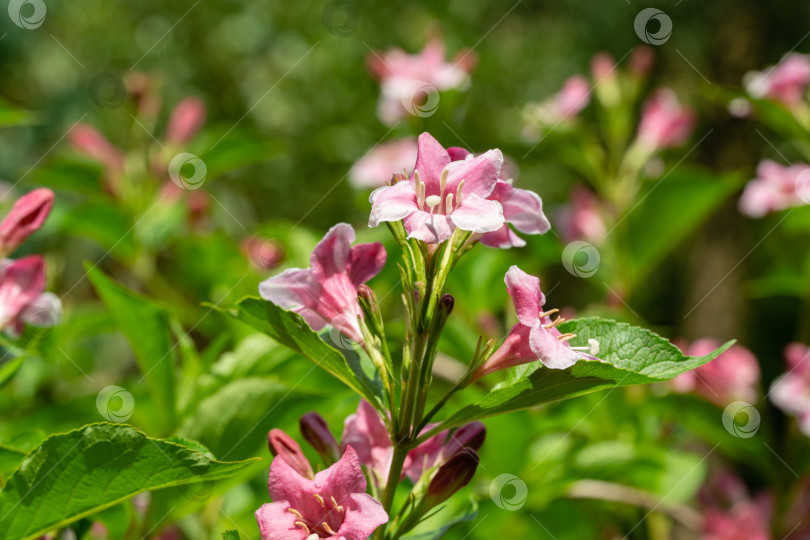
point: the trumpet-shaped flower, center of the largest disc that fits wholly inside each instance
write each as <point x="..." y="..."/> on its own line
<point x="326" y="292"/>
<point x="332" y="505"/>
<point x="379" y="165"/>
<point x="27" y="215"/>
<point x="791" y="391"/>
<point x="442" y="194"/>
<point x="786" y="82"/>
<point x="732" y="376"/>
<point x="535" y="336"/>
<point x="665" y="123"/>
<point x="775" y="188"/>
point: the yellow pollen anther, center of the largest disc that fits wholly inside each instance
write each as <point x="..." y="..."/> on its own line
<point x="302" y="525"/>
<point x="554" y="323"/>
<point x="296" y="512"/>
<point x="320" y="500"/>
<point x="328" y="529"/>
<point x="336" y="505"/>
<point x="566" y="337"/>
<point x="547" y="313"/>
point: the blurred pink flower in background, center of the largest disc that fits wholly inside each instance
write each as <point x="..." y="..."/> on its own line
<point x="791" y="390"/>
<point x="402" y="76"/>
<point x="732" y="376"/>
<point x="775" y="188"/>
<point x="665" y="123"/>
<point x="376" y="168"/>
<point x="574" y="96"/>
<point x="263" y="253"/>
<point x="602" y="66"/>
<point x="89" y="142"/>
<point x="21" y="282"/>
<point x="786" y="82"/>
<point x="582" y="219"/>
<point x="729" y="511"/>
<point x="641" y="61"/>
<point x="185" y="121"/>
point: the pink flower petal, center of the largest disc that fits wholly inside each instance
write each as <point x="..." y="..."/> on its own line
<point x="432" y="229"/>
<point x="185" y="121"/>
<point x="552" y="352"/>
<point x="478" y="215"/>
<point x="479" y="174"/>
<point x="503" y="238"/>
<point x="363" y="515"/>
<point x="276" y="522"/>
<point x="392" y="203"/>
<point x="526" y="295"/>
<point x="365" y="262"/>
<point x="431" y="160"/>
<point x="21" y="282"/>
<point x="27" y="215"/>
<point x="293" y="288"/>
<point x="331" y="254"/>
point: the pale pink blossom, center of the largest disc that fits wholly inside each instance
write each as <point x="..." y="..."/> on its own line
<point x="333" y="504"/>
<point x="786" y="82"/>
<point x="378" y="166"/>
<point x="732" y="376"/>
<point x="26" y="216"/>
<point x="573" y="97"/>
<point x="89" y="142"/>
<point x="535" y="336"/>
<point x="775" y="188"/>
<point x="791" y="390"/>
<point x="582" y="219"/>
<point x="21" y="282"/>
<point x="326" y="292"/>
<point x="602" y="66"/>
<point x="185" y="121"/>
<point x="442" y="194"/>
<point x="665" y="123"/>
<point x="401" y="74"/>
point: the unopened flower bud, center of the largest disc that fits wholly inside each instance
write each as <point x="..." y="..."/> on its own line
<point x="446" y="304"/>
<point x="26" y="216"/>
<point x="185" y="121"/>
<point x="316" y="432"/>
<point x="368" y="303"/>
<point x="451" y="477"/>
<point x="283" y="446"/>
<point x="469" y="436"/>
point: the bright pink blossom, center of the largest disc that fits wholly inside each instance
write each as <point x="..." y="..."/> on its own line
<point x="442" y="194"/>
<point x="326" y="292"/>
<point x="523" y="209"/>
<point x="185" y="121"/>
<point x="582" y="219"/>
<point x="403" y="75"/>
<point x="535" y="336"/>
<point x="732" y="376"/>
<point x="785" y="82"/>
<point x="21" y="282"/>
<point x="791" y="390"/>
<point x="775" y="188"/>
<point x="665" y="123"/>
<point x="378" y="166"/>
<point x="27" y="215"/>
<point x="332" y="505"/>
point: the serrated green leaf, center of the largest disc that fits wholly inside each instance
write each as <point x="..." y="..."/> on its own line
<point x="630" y="355"/>
<point x="146" y="327"/>
<point x="76" y="474"/>
<point x="291" y="329"/>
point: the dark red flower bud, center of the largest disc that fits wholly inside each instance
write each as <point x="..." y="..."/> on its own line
<point x="316" y="432"/>
<point x="446" y="304"/>
<point x="451" y="477"/>
<point x="283" y="446"/>
<point x="470" y="436"/>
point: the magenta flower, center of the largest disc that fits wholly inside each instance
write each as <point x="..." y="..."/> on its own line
<point x="442" y="194"/>
<point x="665" y="123"/>
<point x="791" y="391"/>
<point x="27" y="215"/>
<point x="21" y="283"/>
<point x="732" y="376"/>
<point x="786" y="82"/>
<point x="775" y="188"/>
<point x="326" y="292"/>
<point x="332" y="505"/>
<point x="522" y="209"/>
<point x="582" y="219"/>
<point x="185" y="121"/>
<point x="404" y="76"/>
<point x="379" y="165"/>
<point x="535" y="336"/>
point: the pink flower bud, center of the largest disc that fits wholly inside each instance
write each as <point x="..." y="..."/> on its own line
<point x="641" y="61"/>
<point x="21" y="282"/>
<point x="451" y="477"/>
<point x="185" y="121"/>
<point x="264" y="253"/>
<point x="573" y="97"/>
<point x="27" y="215"/>
<point x="282" y="445"/>
<point x="87" y="141"/>
<point x="665" y="123"/>
<point x="316" y="432"/>
<point x="602" y="65"/>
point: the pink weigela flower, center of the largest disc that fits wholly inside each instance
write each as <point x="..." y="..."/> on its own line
<point x="786" y="82"/>
<point x="378" y="166"/>
<point x="665" y="123"/>
<point x="775" y="188"/>
<point x="791" y="391"/>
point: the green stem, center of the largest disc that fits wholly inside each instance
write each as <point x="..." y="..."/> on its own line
<point x="400" y="453"/>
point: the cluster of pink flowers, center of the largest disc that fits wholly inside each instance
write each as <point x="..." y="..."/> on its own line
<point x="23" y="299"/>
<point x="775" y="188"/>
<point x="732" y="376"/>
<point x="786" y="82"/>
<point x="333" y="503"/>
<point x="406" y="78"/>
<point x="730" y="513"/>
<point x="665" y="123"/>
<point x="791" y="391"/>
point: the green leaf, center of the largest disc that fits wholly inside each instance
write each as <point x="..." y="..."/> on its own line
<point x="10" y="115"/>
<point x="8" y="368"/>
<point x="234" y="421"/>
<point x="146" y="326"/>
<point x="230" y="535"/>
<point x="290" y="329"/>
<point x="631" y="355"/>
<point x="76" y="474"/>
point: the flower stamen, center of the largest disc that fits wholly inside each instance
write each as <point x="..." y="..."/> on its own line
<point x="296" y="512"/>
<point x="566" y="337"/>
<point x="592" y="347"/>
<point x="549" y="312"/>
<point x="328" y="529"/>
<point x="448" y="203"/>
<point x="433" y="201"/>
<point x="337" y="507"/>
<point x="320" y="500"/>
<point x="302" y="525"/>
<point x="459" y="194"/>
